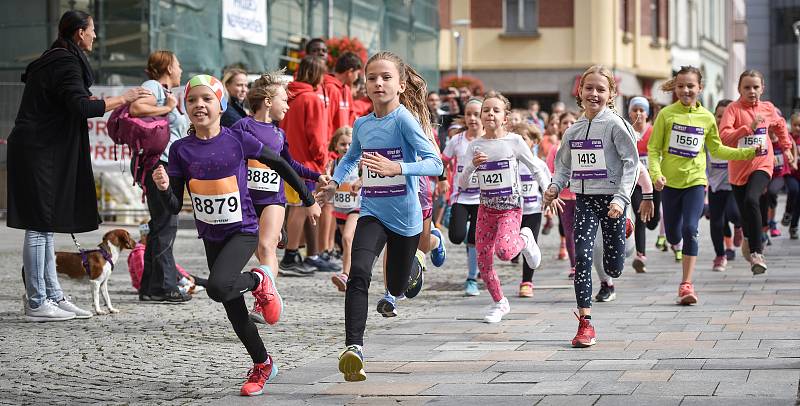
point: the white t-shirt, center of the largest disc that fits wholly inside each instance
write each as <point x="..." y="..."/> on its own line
<point x="456" y="150"/>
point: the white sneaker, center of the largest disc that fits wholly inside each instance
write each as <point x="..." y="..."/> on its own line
<point x="48" y="311"/>
<point x="531" y="252"/>
<point x="497" y="311"/>
<point x="68" y="306"/>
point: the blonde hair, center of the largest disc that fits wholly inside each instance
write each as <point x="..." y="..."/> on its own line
<point x="493" y="94"/>
<point x="669" y="86"/>
<point x="604" y="72"/>
<point x="415" y="95"/>
<point x="230" y="74"/>
<point x="265" y="88"/>
<point x="528" y="130"/>
<point x="339" y="133"/>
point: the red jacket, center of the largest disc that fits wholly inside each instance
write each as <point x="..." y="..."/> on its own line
<point x="361" y="107"/>
<point x="306" y="126"/>
<point x="340" y="102"/>
<point x="735" y="124"/>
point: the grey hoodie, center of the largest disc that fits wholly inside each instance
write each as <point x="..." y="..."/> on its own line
<point x="619" y="173"/>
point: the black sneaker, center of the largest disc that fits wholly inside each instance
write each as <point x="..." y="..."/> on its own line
<point x="171" y="297"/>
<point x="292" y="265"/>
<point x="321" y="265"/>
<point x="793" y="233"/>
<point x="606" y="293"/>
<point x="417" y="276"/>
<point x="787" y="219"/>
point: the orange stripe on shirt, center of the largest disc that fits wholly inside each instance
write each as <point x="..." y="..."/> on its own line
<point x="212" y="187"/>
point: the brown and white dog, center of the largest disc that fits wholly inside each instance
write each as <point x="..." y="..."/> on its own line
<point x="97" y="264"/>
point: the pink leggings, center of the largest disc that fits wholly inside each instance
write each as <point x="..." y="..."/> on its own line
<point x="497" y="233"/>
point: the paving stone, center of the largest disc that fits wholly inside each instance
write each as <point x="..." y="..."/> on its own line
<point x="617" y="400"/>
<point x="546" y="366"/>
<point x="618" y="365"/>
<point x="596" y="376"/>
<point x="490" y="389"/>
<point x="568" y="400"/>
<point x="676" y="388"/>
<point x="752" y="363"/>
<point x="646" y="376"/>
<point x="609" y="388"/>
<point x="759" y="389"/>
<point x="472" y="366"/>
<point x="730" y="375"/>
<point x="369" y="388"/>
<point x="738" y="401"/>
<point x="556" y="388"/>
<point x="774" y="375"/>
<point x="532" y="377"/>
<point x="479" y="400"/>
<point x="479" y="346"/>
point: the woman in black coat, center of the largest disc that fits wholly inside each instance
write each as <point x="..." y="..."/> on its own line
<point x="50" y="181"/>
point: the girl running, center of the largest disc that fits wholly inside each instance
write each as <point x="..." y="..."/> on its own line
<point x="566" y="220"/>
<point x="639" y="114"/>
<point x="793" y="204"/>
<point x="346" y="204"/>
<point x="721" y="205"/>
<point x="495" y="160"/>
<point x="388" y="142"/>
<point x="531" y="199"/>
<point x="268" y="99"/>
<point x="598" y="158"/>
<point x="781" y="172"/>
<point x="746" y="123"/>
<point x="210" y="162"/>
<point x="464" y="201"/>
<point x="678" y="169"/>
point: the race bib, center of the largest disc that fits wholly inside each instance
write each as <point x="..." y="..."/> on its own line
<point x="588" y="159"/>
<point x="717" y="163"/>
<point x="260" y="177"/>
<point x="530" y="189"/>
<point x="216" y="201"/>
<point x="779" y="160"/>
<point x="473" y="186"/>
<point x="685" y="140"/>
<point x="384" y="186"/>
<point x="496" y="178"/>
<point x="643" y="159"/>
<point x="759" y="137"/>
<point x="343" y="199"/>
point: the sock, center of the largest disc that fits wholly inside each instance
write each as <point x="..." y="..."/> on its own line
<point x="587" y="317"/>
<point x="472" y="262"/>
<point x="259" y="279"/>
<point x="312" y="256"/>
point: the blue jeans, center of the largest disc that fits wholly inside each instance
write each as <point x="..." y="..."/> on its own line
<point x="39" y="261"/>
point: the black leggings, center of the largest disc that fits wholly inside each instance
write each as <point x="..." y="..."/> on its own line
<point x="227" y="283"/>
<point x="748" y="198"/>
<point x="532" y="221"/>
<point x="370" y="237"/>
<point x="159" y="275"/>
<point x="640" y="230"/>
<point x="460" y="214"/>
<point x="722" y="209"/>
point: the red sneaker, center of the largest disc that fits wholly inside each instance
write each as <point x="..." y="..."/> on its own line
<point x="628" y="228"/>
<point x="259" y="375"/>
<point x="562" y="251"/>
<point x="267" y="297"/>
<point x="686" y="295"/>
<point x="586" y="335"/>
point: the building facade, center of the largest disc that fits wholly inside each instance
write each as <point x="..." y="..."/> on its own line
<point x="531" y="49"/>
<point x="772" y="49"/>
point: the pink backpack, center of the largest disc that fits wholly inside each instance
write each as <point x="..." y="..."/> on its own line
<point x="147" y="137"/>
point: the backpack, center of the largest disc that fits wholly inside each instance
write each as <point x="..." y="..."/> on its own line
<point x="147" y="137"/>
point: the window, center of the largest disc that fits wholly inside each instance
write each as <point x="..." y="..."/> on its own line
<point x="655" y="21"/>
<point x="521" y="16"/>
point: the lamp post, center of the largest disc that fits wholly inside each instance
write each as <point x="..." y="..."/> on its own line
<point x="459" y="38"/>
<point x="796" y="28"/>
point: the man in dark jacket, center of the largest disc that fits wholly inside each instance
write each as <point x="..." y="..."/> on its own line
<point x="50" y="180"/>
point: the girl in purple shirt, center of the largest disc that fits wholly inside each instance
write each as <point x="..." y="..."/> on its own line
<point x="269" y="101"/>
<point x="210" y="163"/>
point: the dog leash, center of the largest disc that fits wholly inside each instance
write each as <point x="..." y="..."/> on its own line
<point x="75" y="240"/>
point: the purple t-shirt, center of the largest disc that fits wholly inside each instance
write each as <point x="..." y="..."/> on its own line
<point x="265" y="186"/>
<point x="215" y="173"/>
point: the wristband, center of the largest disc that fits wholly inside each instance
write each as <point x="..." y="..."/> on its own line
<point x="647" y="196"/>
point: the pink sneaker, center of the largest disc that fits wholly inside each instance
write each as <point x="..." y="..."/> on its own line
<point x="340" y="281"/>
<point x="586" y="336"/>
<point x="258" y="376"/>
<point x="774" y="232"/>
<point x="686" y="295"/>
<point x="738" y="237"/>
<point x="268" y="300"/>
<point x="720" y="264"/>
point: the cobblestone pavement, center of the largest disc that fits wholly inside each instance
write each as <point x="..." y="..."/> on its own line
<point x="740" y="345"/>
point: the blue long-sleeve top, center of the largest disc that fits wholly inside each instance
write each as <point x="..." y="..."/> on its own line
<point x="400" y="212"/>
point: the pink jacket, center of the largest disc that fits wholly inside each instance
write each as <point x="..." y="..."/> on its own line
<point x="136" y="266"/>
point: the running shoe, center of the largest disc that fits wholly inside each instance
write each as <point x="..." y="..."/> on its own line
<point x="292" y="265"/>
<point x="471" y="288"/>
<point x="417" y="276"/>
<point x="793" y="233"/>
<point x="787" y="219"/>
<point x="563" y="255"/>
<point x="571" y="273"/>
<point x="284" y="239"/>
<point x="387" y="306"/>
<point x="526" y="289"/>
<point x="340" y="281"/>
<point x="678" y="254"/>
<point x="730" y="254"/>
<point x="757" y="263"/>
<point x="606" y="293"/>
<point x="270" y="303"/>
<point x="258" y="376"/>
<point x="548" y="225"/>
<point x="774" y="232"/>
<point x="686" y="295"/>
<point x="628" y="227"/>
<point x="531" y="251"/>
<point x="738" y="237"/>
<point x="328" y="257"/>
<point x="321" y="264"/>
<point x="586" y="336"/>
<point x="720" y="264"/>
<point x="256" y="314"/>
<point x="351" y="364"/>
<point x="496" y="311"/>
<point x="661" y="243"/>
<point x="438" y="254"/>
<point x="640" y="263"/>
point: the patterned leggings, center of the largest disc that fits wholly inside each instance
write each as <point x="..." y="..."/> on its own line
<point x="497" y="233"/>
<point x="591" y="212"/>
